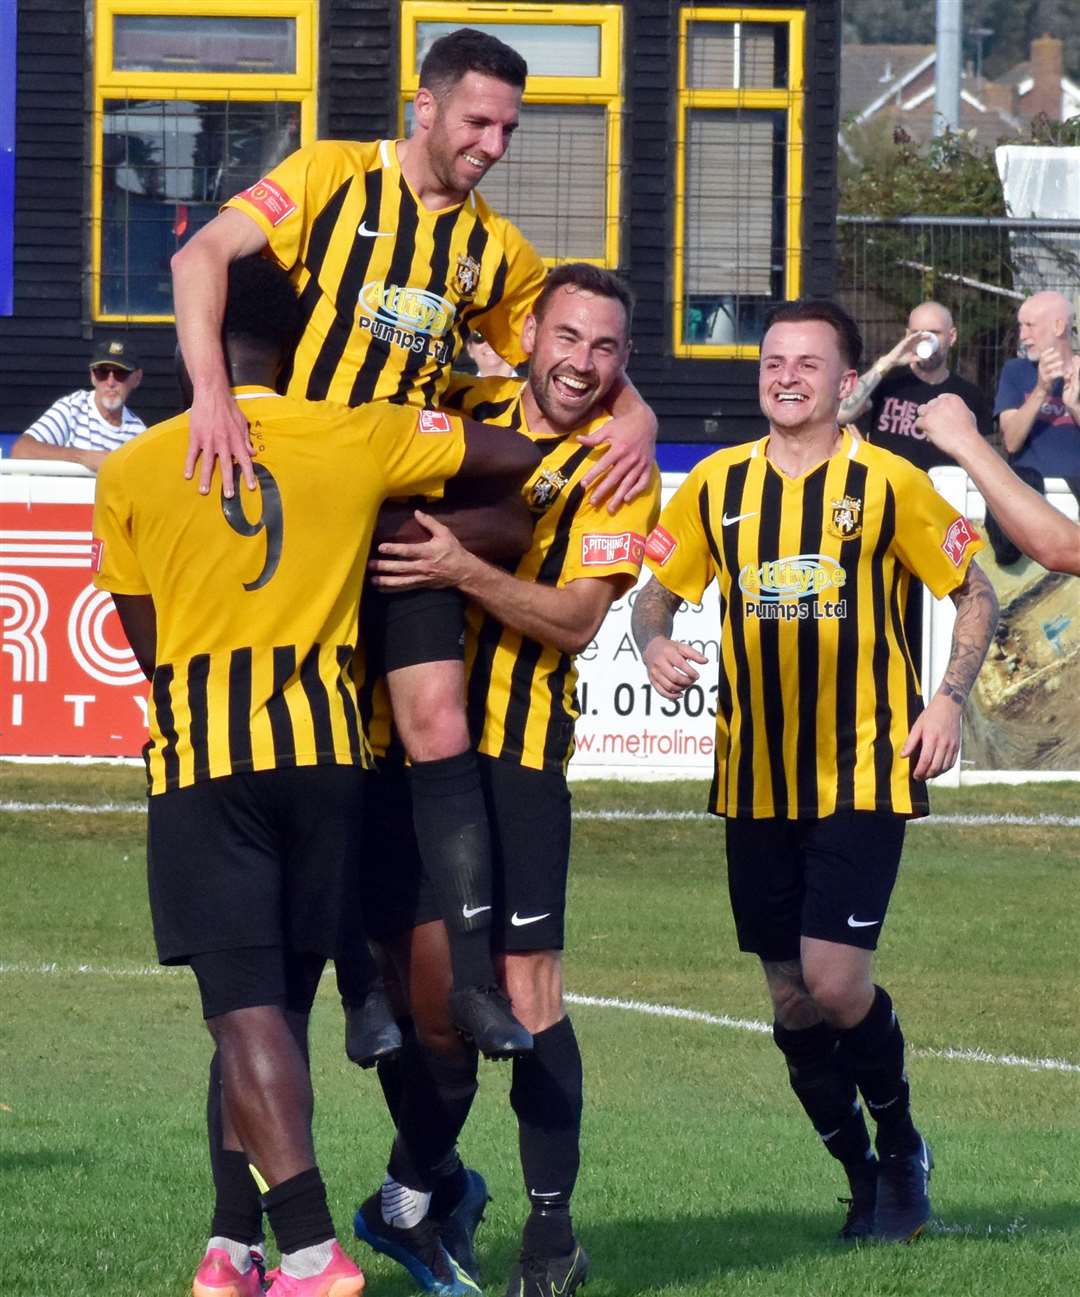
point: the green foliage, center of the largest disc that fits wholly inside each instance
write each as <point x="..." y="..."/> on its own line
<point x="949" y="176"/>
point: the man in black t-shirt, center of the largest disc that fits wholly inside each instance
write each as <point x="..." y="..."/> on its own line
<point x="892" y="389"/>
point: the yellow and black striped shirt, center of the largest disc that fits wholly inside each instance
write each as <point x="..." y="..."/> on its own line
<point x="256" y="598"/>
<point x="389" y="289"/>
<point x="817" y="688"/>
<point x="521" y="692"/>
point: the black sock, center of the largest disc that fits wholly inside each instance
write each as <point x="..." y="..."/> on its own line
<point x="390" y="1073"/>
<point x="436" y="1097"/>
<point x="450" y="1183"/>
<point x="237" y="1204"/>
<point x="451" y="825"/>
<point x="825" y="1089"/>
<point x="357" y="974"/>
<point x="875" y="1048"/>
<point x="298" y="1212"/>
<point x="546" y="1095"/>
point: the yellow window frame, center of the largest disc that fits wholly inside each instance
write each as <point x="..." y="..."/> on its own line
<point x="791" y="99"/>
<point x="294" y="87"/>
<point x="605" y="88"/>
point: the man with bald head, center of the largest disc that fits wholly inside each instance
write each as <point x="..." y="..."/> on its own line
<point x="1038" y="396"/>
<point x="894" y="387"/>
<point x="1038" y="404"/>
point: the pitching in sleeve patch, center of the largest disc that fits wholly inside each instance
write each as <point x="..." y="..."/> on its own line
<point x="434" y="421"/>
<point x="269" y="198"/>
<point x="957" y="539"/>
<point x="97" y="553"/>
<point x="600" y="550"/>
<point x="660" y="546"/>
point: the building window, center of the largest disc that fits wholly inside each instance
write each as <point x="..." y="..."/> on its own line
<point x="193" y="102"/>
<point x="738" y="176"/>
<point x="560" y="180"/>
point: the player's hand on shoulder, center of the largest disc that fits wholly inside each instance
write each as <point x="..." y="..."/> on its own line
<point x="218" y="433"/>
<point x="625" y="468"/>
<point x="669" y="662"/>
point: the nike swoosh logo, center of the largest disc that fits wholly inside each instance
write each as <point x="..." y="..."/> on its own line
<point x="468" y="911"/>
<point x="520" y="921"/>
<point x="365" y="233"/>
<point x="853" y="922"/>
<point x="726" y="521"/>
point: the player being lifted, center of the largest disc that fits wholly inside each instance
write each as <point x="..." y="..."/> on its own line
<point x="397" y="258"/>
<point x="245" y="621"/>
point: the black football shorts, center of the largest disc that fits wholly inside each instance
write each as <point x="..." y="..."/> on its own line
<point x="828" y="878"/>
<point x="258" y="859"/>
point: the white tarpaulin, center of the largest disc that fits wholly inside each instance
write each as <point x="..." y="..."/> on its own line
<point x="1043" y="182"/>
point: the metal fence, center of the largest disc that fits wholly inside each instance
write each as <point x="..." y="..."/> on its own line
<point x="981" y="269"/>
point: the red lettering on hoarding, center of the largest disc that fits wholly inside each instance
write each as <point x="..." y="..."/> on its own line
<point x="74" y="686"/>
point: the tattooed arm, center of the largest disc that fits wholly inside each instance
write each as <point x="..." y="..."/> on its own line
<point x="903" y="353"/>
<point x="666" y="660"/>
<point x="936" y="733"/>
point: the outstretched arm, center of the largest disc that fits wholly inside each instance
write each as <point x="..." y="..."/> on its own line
<point x="666" y="660"/>
<point x="200" y="277"/>
<point x="936" y="733"/>
<point x="1026" y="517"/>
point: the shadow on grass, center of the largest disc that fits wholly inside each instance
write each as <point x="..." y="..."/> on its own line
<point x="635" y="1255"/>
<point x="43" y="1159"/>
<point x="1008" y="1222"/>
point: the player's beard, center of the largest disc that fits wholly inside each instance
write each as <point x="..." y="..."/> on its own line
<point x="560" y="417"/>
<point x="444" y="159"/>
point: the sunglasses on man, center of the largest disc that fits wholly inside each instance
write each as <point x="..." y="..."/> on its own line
<point x="103" y="372"/>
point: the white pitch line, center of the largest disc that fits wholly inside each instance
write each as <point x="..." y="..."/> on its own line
<point x="643" y="1007"/>
<point x="603" y="817"/>
<point x="761" y="1028"/>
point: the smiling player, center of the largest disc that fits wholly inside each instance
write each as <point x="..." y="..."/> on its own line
<point x="396" y="259"/>
<point x="822" y="741"/>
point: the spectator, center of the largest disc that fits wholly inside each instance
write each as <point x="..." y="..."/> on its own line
<point x="84" y="426"/>
<point x="1038" y="403"/>
<point x="894" y="387"/>
<point x="488" y="362"/>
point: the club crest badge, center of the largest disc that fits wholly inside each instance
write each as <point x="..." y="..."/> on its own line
<point x="545" y="489"/>
<point x="467" y="276"/>
<point x="845" y="522"/>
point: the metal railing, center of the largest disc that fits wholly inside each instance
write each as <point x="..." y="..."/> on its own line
<point x="980" y="268"/>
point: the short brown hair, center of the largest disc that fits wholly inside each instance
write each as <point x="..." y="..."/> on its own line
<point x="590" y="279"/>
<point x="457" y="53"/>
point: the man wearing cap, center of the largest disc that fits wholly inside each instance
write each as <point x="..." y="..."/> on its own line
<point x="84" y="426"/>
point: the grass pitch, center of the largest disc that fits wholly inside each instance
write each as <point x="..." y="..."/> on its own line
<point x="699" y="1174"/>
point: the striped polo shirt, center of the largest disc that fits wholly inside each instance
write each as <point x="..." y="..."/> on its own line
<point x="75" y="421"/>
